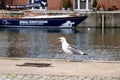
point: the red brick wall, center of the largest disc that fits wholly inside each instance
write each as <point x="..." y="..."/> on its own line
<point x="19" y="2"/>
<point x="54" y="4"/>
<point x="109" y="3"/>
<point x="57" y="4"/>
<point x="15" y="2"/>
<point x="7" y="2"/>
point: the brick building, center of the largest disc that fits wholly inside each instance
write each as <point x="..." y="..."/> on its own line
<point x="76" y="4"/>
<point x="52" y="4"/>
<point x="109" y="4"/>
<point x="14" y="2"/>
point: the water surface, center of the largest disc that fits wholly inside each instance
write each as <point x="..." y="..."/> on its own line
<point x="42" y="43"/>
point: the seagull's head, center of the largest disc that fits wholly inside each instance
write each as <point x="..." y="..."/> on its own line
<point x="61" y="39"/>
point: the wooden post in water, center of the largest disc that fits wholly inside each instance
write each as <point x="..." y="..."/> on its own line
<point x="103" y="23"/>
<point x="112" y="19"/>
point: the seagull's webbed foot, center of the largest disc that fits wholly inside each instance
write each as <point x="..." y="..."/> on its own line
<point x="69" y="58"/>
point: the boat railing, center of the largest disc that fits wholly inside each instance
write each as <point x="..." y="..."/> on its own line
<point x="11" y="14"/>
<point x="28" y="13"/>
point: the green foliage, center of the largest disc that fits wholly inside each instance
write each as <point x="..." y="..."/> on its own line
<point x="64" y="3"/>
<point x="69" y="4"/>
<point x="94" y="3"/>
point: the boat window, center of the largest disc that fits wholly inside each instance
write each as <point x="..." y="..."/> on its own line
<point x="37" y="7"/>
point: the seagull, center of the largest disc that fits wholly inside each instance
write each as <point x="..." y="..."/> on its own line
<point x="69" y="49"/>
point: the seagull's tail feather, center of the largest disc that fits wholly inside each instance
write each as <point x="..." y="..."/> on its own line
<point x="81" y="53"/>
<point x="84" y="54"/>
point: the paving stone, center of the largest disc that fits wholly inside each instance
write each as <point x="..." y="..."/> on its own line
<point x="116" y="78"/>
<point x="28" y="77"/>
<point x="7" y="79"/>
<point x="19" y="76"/>
<point x="35" y="77"/>
<point x="81" y="78"/>
<point x="51" y="77"/>
<point x="2" y="77"/>
<point x="108" y="78"/>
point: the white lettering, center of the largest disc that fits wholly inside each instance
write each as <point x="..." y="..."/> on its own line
<point x="32" y="22"/>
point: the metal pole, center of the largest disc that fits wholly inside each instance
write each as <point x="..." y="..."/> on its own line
<point x="32" y="2"/>
<point x="87" y="4"/>
<point x="78" y="4"/>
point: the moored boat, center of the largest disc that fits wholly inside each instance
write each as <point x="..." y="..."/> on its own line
<point x="33" y="19"/>
<point x="42" y="21"/>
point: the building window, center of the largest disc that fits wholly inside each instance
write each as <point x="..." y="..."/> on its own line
<point x="30" y="1"/>
<point x="81" y="4"/>
<point x="76" y="4"/>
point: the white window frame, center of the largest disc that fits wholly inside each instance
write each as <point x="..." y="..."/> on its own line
<point x="79" y="4"/>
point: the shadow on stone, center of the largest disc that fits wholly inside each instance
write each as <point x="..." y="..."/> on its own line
<point x="35" y="65"/>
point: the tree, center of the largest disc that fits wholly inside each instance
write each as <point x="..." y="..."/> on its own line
<point x="94" y="3"/>
<point x="69" y="4"/>
<point x="64" y="3"/>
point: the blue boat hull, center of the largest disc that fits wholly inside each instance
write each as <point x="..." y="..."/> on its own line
<point x="60" y="22"/>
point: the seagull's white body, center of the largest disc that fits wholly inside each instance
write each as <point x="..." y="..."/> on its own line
<point x="65" y="45"/>
<point x="69" y="49"/>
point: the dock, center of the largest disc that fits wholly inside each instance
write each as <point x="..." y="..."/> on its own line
<point x="58" y="68"/>
<point x="94" y="19"/>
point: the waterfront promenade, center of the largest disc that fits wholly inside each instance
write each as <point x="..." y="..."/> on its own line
<point x="54" y="69"/>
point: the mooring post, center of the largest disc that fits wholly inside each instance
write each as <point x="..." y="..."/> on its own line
<point x="112" y="20"/>
<point x="103" y="23"/>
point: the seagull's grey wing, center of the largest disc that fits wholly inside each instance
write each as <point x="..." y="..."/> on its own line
<point x="73" y="46"/>
<point x="74" y="50"/>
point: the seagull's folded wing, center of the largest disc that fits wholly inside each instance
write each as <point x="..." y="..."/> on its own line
<point x="74" y="50"/>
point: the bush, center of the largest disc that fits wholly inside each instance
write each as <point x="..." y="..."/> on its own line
<point x="64" y="3"/>
<point x="69" y="4"/>
<point x="95" y="3"/>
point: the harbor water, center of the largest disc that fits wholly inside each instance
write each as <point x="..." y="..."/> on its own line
<point x="42" y="43"/>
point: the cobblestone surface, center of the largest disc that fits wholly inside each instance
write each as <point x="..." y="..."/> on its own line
<point x="51" y="77"/>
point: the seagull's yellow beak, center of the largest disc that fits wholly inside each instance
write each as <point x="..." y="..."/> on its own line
<point x="58" y="38"/>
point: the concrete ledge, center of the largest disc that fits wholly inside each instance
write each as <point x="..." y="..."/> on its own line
<point x="59" y="67"/>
